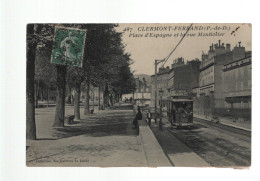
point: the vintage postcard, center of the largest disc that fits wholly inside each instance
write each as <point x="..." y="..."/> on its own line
<point x="139" y="95"/>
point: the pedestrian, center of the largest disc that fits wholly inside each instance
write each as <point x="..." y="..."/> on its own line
<point x="149" y="117"/>
<point x="138" y="116"/>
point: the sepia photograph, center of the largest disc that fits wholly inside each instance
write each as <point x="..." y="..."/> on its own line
<point x="139" y="95"/>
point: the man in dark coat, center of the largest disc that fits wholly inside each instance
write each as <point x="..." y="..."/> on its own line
<point x="149" y="117"/>
<point x="138" y="116"/>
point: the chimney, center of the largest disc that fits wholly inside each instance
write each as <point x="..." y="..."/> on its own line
<point x="228" y="47"/>
<point x="219" y="49"/>
<point x="239" y="52"/>
<point x="211" y="52"/>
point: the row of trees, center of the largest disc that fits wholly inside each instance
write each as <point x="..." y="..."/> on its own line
<point x="105" y="65"/>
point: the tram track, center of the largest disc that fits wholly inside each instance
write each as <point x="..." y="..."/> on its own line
<point x="223" y="127"/>
<point x="219" y="147"/>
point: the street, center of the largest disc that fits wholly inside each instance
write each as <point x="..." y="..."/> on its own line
<point x="107" y="138"/>
<point x="217" y="146"/>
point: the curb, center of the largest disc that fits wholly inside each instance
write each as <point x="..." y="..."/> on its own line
<point x="228" y="127"/>
<point x="153" y="151"/>
<point x="154" y="154"/>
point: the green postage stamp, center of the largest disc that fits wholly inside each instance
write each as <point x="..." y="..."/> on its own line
<point x="68" y="46"/>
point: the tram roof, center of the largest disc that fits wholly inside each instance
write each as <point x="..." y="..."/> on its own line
<point x="180" y="100"/>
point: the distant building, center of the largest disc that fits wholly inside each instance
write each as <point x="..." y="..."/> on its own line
<point x="142" y="94"/>
<point x="178" y="62"/>
<point x="162" y="84"/>
<point x="184" y="78"/>
<point x="177" y="81"/>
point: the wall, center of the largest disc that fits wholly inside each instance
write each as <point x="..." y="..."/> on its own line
<point x="187" y="77"/>
<point x="238" y="80"/>
<point x="162" y="83"/>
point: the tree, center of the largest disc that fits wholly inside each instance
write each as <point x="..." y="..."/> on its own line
<point x="61" y="89"/>
<point x="45" y="72"/>
<point x="60" y="99"/>
<point x="30" y="63"/>
<point x="37" y="35"/>
<point x="107" y="62"/>
<point x="75" y="78"/>
<point x="100" y="42"/>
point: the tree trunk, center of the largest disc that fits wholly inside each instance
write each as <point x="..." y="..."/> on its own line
<point x="70" y="100"/>
<point x="105" y="95"/>
<point x="99" y="107"/>
<point x="77" y="103"/>
<point x="86" y="106"/>
<point x="41" y="93"/>
<point x="60" y="100"/>
<point x="93" y="97"/>
<point x="111" y="99"/>
<point x="37" y="94"/>
<point x="30" y="109"/>
<point x="104" y="99"/>
<point x="48" y="93"/>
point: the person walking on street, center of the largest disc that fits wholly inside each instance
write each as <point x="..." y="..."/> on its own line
<point x="138" y="116"/>
<point x="149" y="117"/>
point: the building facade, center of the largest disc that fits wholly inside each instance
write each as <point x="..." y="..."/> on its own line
<point x="210" y="99"/>
<point x="238" y="87"/>
<point x="177" y="81"/>
<point x="142" y="94"/>
<point x="162" y="85"/>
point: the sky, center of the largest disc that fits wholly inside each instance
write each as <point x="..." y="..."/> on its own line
<point x="141" y="42"/>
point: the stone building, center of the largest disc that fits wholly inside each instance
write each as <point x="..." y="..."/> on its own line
<point x="238" y="87"/>
<point x="177" y="81"/>
<point x="210" y="99"/>
<point x="186" y="77"/>
<point x="162" y="84"/>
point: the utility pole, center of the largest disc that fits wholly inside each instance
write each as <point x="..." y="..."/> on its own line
<point x="156" y="62"/>
<point x="155" y="95"/>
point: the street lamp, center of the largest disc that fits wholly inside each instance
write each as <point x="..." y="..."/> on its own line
<point x="160" y="122"/>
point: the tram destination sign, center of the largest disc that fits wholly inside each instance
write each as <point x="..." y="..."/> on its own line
<point x="68" y="46"/>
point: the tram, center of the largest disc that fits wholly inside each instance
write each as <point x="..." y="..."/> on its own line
<point x="180" y="111"/>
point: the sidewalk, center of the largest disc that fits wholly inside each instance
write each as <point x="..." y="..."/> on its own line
<point x="177" y="152"/>
<point x="103" y="139"/>
<point x="154" y="154"/>
<point x="227" y="122"/>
